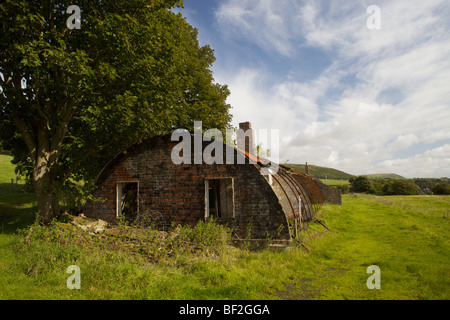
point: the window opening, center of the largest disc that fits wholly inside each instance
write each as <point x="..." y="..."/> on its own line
<point x="219" y="198"/>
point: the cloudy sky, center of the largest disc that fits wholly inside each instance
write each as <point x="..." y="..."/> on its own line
<point x="348" y="86"/>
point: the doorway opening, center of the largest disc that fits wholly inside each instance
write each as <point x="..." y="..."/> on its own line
<point x="127" y="200"/>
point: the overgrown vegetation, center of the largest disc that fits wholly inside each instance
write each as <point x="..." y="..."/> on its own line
<point x="206" y="238"/>
<point x="407" y="237"/>
<point x="198" y="263"/>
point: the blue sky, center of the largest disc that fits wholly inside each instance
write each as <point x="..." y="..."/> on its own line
<point x="342" y="95"/>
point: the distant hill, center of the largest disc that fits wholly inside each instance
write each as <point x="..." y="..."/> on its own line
<point x="321" y="172"/>
<point x="385" y="175"/>
<point x="334" y="174"/>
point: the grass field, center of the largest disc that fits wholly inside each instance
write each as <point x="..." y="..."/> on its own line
<point x="406" y="236"/>
<point x="335" y="182"/>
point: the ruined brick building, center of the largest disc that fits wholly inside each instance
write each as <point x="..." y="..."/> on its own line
<point x="145" y="180"/>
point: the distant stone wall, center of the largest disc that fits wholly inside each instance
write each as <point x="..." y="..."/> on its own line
<point x="330" y="194"/>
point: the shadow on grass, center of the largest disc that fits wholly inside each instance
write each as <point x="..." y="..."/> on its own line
<point x="17" y="208"/>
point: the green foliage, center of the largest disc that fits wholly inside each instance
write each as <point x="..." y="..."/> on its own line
<point x="360" y="184"/>
<point x="384" y="186"/>
<point x="401" y="187"/>
<point x="344" y="188"/>
<point x="74" y="195"/>
<point x="206" y="238"/>
<point x="4" y="151"/>
<point x="72" y="99"/>
<point x="441" y="188"/>
<point x="134" y="263"/>
<point x="145" y="264"/>
<point x="377" y="186"/>
<point x="205" y="235"/>
<point x="428" y="183"/>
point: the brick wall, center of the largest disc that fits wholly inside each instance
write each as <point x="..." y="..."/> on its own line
<point x="178" y="191"/>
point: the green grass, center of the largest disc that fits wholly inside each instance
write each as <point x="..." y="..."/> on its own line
<point x="406" y="236"/>
<point x="6" y="169"/>
<point x="335" y="182"/>
<point x="15" y="204"/>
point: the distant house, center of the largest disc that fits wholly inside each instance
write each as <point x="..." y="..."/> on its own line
<point x="144" y="180"/>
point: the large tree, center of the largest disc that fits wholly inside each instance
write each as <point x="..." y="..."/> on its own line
<point x="72" y="98"/>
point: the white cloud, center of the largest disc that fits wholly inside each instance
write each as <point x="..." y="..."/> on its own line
<point x="423" y="165"/>
<point x="262" y="22"/>
<point x="266" y="106"/>
<point x="342" y="25"/>
<point x="404" y="141"/>
<point x="398" y="93"/>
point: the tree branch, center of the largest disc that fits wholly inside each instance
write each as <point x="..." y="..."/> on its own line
<point x="61" y="129"/>
<point x="28" y="137"/>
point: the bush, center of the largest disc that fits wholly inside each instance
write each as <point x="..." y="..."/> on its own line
<point x="441" y="188"/>
<point x="401" y="187"/>
<point x="360" y="184"/>
<point x="206" y="235"/>
<point x="344" y="188"/>
<point x="429" y="183"/>
<point x="377" y="187"/>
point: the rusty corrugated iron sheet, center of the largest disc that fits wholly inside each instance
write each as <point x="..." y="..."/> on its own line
<point x="298" y="185"/>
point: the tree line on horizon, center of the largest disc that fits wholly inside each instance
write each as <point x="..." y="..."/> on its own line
<point x="389" y="186"/>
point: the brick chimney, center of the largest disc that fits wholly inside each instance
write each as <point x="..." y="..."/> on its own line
<point x="246" y="137"/>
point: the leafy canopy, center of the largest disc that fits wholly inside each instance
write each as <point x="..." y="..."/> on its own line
<point x="360" y="184"/>
<point x="70" y="99"/>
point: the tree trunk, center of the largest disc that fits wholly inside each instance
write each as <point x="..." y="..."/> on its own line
<point x="44" y="148"/>
<point x="43" y="180"/>
<point x="47" y="202"/>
